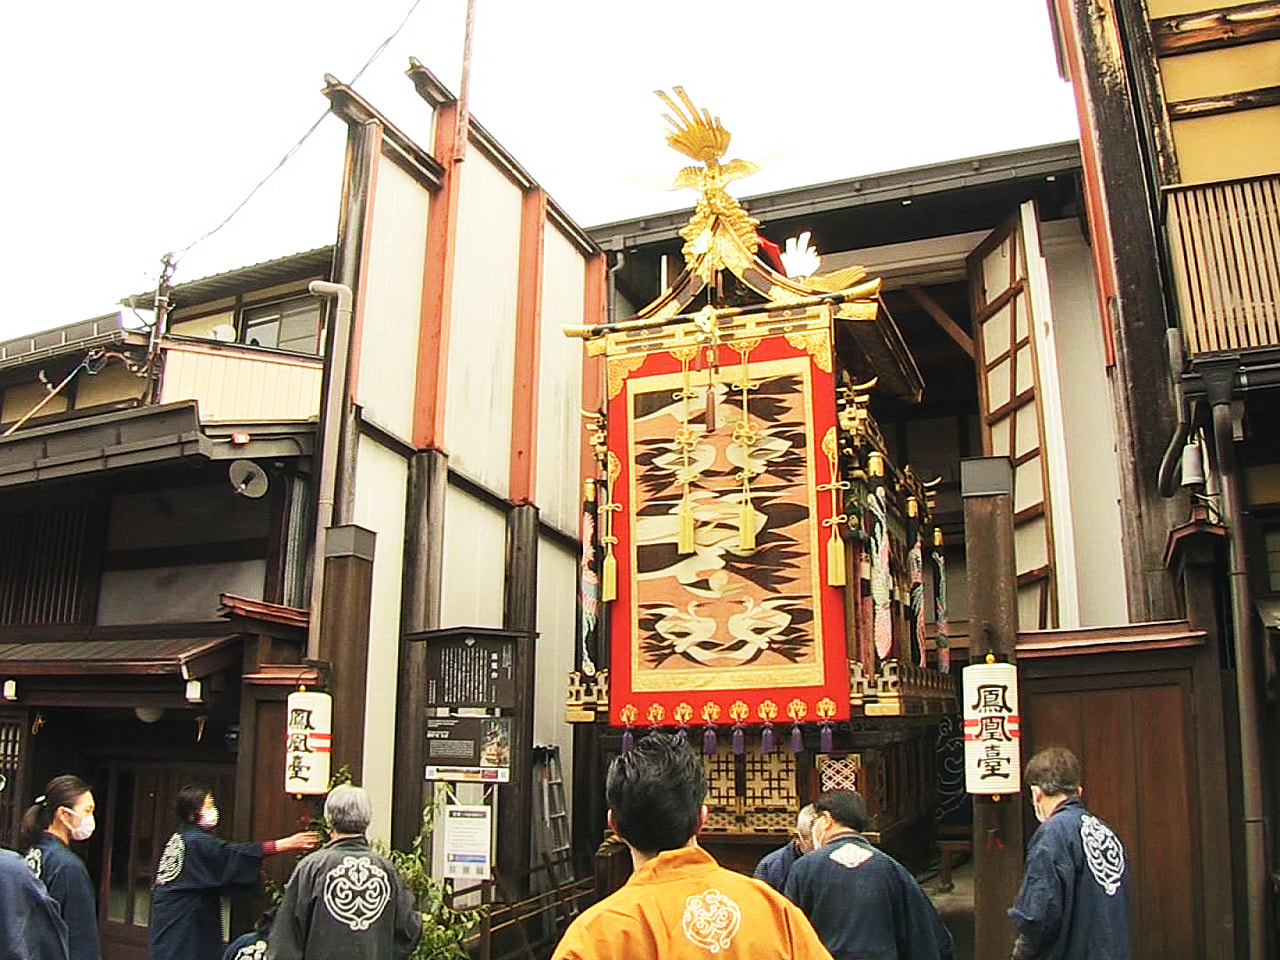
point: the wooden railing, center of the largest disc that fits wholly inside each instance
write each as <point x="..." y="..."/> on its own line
<point x="237" y="383"/>
<point x="1224" y="246"/>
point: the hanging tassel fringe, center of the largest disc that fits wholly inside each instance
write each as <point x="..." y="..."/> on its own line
<point x="628" y="739"/>
<point x="766" y="739"/>
<point x="797" y="739"/>
<point x="746" y="526"/>
<point x="824" y="739"/>
<point x="682" y="734"/>
<point x="739" y="740"/>
<point x="609" y="578"/>
<point x="709" y="742"/>
<point x="835" y="560"/>
<point x="685" y="541"/>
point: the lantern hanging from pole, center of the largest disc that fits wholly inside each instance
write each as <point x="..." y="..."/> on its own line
<point x="308" y="742"/>
<point x="992" y="743"/>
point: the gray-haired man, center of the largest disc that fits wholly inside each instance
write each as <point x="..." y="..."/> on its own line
<point x="774" y="867"/>
<point x="345" y="902"/>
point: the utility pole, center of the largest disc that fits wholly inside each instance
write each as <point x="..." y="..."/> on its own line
<point x="986" y="488"/>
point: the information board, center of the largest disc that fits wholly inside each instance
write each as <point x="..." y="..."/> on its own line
<point x="471" y="670"/>
<point x="467" y="833"/>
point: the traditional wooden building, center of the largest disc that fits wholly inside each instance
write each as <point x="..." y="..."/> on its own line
<point x="389" y="443"/>
<point x="1180" y="129"/>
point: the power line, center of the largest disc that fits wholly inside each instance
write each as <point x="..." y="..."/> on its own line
<point x="303" y="139"/>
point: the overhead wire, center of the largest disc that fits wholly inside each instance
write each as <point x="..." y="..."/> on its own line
<point x="378" y="51"/>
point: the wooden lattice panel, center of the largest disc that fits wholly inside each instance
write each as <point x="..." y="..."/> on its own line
<point x="771" y="782"/>
<point x="841" y="773"/>
<point x="722" y="780"/>
<point x="769" y="821"/>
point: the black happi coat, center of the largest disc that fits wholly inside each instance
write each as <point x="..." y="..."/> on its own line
<point x="30" y="925"/>
<point x="65" y="877"/>
<point x="1074" y="901"/>
<point x="195" y="872"/>
<point x="865" y="905"/>
<point x="774" y="867"/>
<point x="345" y="902"/>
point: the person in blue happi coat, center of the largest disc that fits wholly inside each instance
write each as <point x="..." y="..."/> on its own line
<point x="196" y="870"/>
<point x="1074" y="901"/>
<point x="774" y="867"/>
<point x="61" y="815"/>
<point x="862" y="902"/>
<point x="31" y="926"/>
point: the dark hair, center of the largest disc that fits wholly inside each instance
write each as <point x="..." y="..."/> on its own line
<point x="63" y="791"/>
<point x="189" y="802"/>
<point x="268" y="917"/>
<point x="847" y="808"/>
<point x="655" y="792"/>
<point x="1055" y="770"/>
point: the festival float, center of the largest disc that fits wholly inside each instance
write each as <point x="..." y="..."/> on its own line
<point x="757" y="571"/>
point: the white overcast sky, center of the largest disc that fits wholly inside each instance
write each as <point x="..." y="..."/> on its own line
<point x="136" y="126"/>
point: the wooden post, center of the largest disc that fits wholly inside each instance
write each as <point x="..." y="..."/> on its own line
<point x="520" y="615"/>
<point x="420" y="611"/>
<point x="986" y="487"/>
<point x="344" y="637"/>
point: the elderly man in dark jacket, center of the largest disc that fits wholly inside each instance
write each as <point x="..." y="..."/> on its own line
<point x="345" y="902"/>
<point x="1074" y="901"/>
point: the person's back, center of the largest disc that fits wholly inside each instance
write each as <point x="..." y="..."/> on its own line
<point x="679" y="903"/>
<point x="1074" y="902"/>
<point x="31" y="926"/>
<point x="1074" y="899"/>
<point x="682" y="902"/>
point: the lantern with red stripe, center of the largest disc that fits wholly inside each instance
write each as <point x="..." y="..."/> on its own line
<point x="992" y="742"/>
<point x="308" y="739"/>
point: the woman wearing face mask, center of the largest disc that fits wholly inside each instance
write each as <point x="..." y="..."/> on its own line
<point x="196" y="871"/>
<point x="63" y="814"/>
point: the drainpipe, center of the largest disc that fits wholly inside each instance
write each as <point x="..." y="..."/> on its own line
<point x="1219" y="382"/>
<point x="334" y="402"/>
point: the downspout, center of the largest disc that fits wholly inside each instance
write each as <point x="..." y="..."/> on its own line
<point x="1169" y="463"/>
<point x="330" y="442"/>
<point x="1220" y="382"/>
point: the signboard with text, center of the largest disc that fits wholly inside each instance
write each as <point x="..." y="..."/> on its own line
<point x="992" y="741"/>
<point x="467" y="833"/>
<point x="476" y="749"/>
<point x="471" y="670"/>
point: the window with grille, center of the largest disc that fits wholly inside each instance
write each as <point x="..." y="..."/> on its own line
<point x="43" y="565"/>
<point x="10" y="766"/>
<point x="287" y="325"/>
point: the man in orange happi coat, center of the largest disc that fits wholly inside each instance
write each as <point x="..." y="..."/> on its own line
<point x="680" y="903"/>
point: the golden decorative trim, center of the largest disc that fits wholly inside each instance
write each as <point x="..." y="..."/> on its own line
<point x="656" y="712"/>
<point x="768" y="710"/>
<point x="620" y="367"/>
<point x="683" y="713"/>
<point x="797" y="709"/>
<point x="710" y="711"/>
<point x="858" y="310"/>
<point x="817" y="343"/>
<point x="629" y="713"/>
<point x="826" y="708"/>
<point x="738" y="711"/>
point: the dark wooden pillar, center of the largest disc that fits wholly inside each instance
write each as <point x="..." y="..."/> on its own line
<point x="419" y="611"/>
<point x="986" y="487"/>
<point x="344" y="637"/>
<point x="520" y="615"/>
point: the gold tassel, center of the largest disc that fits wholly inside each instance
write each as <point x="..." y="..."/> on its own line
<point x="835" y="560"/>
<point x="609" y="578"/>
<point x="685" y="540"/>
<point x="746" y="526"/>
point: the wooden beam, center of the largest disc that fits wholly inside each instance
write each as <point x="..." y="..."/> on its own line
<point x="1226" y="103"/>
<point x="524" y="412"/>
<point x="942" y="318"/>
<point x="1216" y="29"/>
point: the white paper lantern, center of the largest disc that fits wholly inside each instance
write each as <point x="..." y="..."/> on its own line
<point x="308" y="741"/>
<point x="992" y="741"/>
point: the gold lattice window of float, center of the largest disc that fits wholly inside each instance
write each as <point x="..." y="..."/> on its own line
<point x="751" y="793"/>
<point x="840" y="773"/>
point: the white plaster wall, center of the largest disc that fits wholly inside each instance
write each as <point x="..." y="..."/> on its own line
<point x="482" y="334"/>
<point x="1089" y="425"/>
<point x="381" y="481"/>
<point x="560" y="432"/>
<point x="392" y="298"/>
<point x="475" y="538"/>
<point x="557" y="612"/>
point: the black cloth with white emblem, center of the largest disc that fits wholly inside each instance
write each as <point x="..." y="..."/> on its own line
<point x="31" y="926"/>
<point x="865" y="905"/>
<point x="1074" y="901"/>
<point x="65" y="877"/>
<point x="195" y="872"/>
<point x="345" y="902"/>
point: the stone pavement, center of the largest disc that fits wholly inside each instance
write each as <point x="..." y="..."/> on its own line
<point x="955" y="905"/>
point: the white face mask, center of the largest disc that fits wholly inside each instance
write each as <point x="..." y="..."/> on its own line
<point x="84" y="829"/>
<point x="209" y="818"/>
